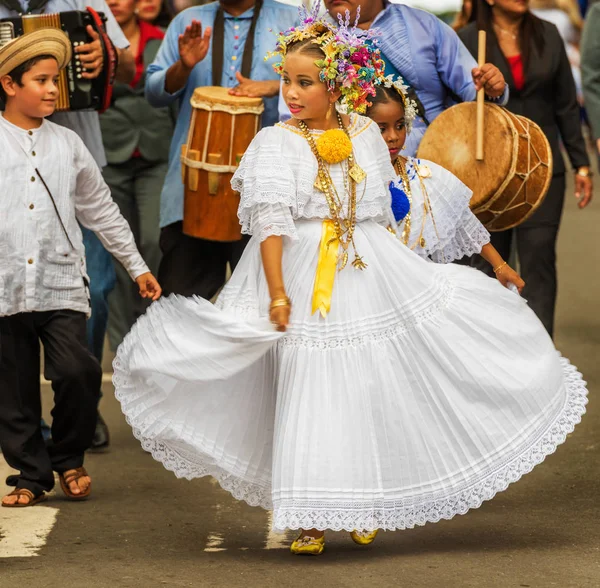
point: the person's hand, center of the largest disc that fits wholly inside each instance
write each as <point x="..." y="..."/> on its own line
<point x="507" y="275"/>
<point x="193" y="45"/>
<point x="583" y="190"/>
<point x="255" y="89"/>
<point x="279" y="314"/>
<point x="598" y="146"/>
<point x="91" y="55"/>
<point x="149" y="286"/>
<point x="490" y="78"/>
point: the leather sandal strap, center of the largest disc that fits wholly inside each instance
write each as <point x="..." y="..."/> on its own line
<point x="74" y="475"/>
<point x="23" y="492"/>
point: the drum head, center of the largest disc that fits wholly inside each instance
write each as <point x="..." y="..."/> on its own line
<point x="529" y="186"/>
<point x="219" y="95"/>
<point x="450" y="142"/>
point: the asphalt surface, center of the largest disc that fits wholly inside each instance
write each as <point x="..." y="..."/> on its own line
<point x="144" y="528"/>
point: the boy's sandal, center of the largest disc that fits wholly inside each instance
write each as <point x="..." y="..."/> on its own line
<point x="71" y="476"/>
<point x="33" y="499"/>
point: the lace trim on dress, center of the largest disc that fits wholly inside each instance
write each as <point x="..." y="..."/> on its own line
<point x="380" y="514"/>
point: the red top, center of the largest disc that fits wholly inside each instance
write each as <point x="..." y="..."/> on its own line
<point x="516" y="68"/>
<point x="148" y="32"/>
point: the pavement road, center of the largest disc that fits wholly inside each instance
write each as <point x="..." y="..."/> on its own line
<point x="144" y="528"/>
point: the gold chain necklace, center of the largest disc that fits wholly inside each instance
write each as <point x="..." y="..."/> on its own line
<point x="512" y="35"/>
<point x="344" y="227"/>
<point x="401" y="169"/>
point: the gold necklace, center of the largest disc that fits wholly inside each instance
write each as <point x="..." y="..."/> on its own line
<point x="401" y="169"/>
<point x="344" y="227"/>
<point x="512" y="35"/>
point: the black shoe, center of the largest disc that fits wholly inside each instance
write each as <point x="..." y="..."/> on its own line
<point x="101" y="438"/>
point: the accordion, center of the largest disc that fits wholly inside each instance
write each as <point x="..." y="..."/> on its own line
<point x="75" y="91"/>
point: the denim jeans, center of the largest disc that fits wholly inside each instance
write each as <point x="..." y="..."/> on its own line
<point x="101" y="271"/>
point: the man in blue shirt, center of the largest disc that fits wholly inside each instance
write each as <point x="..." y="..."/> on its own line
<point x="428" y="54"/>
<point x="186" y="60"/>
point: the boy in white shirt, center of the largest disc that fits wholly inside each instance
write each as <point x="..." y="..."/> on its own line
<point x="48" y="182"/>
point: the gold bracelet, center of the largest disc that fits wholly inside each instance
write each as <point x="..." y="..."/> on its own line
<point x="281" y="301"/>
<point x="497" y="269"/>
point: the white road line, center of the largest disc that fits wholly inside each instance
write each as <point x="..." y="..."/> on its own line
<point x="275" y="540"/>
<point x="23" y="531"/>
<point x="214" y="541"/>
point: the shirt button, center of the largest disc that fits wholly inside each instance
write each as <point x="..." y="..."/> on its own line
<point x="30" y="261"/>
<point x="30" y="132"/>
<point x="236" y="27"/>
<point x="234" y="58"/>
<point x="31" y="207"/>
<point x="33" y="153"/>
<point x="32" y="179"/>
<point x="236" y="37"/>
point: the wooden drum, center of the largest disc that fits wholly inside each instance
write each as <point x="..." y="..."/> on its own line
<point x="221" y="129"/>
<point x="513" y="178"/>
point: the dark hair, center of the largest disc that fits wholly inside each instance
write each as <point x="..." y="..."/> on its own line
<point x="307" y="47"/>
<point x="18" y="73"/>
<point x="384" y="95"/>
<point x="164" y="16"/>
<point x="531" y="31"/>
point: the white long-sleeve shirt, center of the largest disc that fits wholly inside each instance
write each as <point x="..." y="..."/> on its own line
<point x="39" y="270"/>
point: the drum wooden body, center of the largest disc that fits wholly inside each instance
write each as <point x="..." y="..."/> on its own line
<point x="221" y="129"/>
<point x="511" y="182"/>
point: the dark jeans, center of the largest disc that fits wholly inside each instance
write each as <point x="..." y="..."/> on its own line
<point x="101" y="271"/>
<point x="191" y="266"/>
<point x="536" y="249"/>
<point x="76" y="377"/>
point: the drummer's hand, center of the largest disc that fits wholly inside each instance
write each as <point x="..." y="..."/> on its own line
<point x="583" y="190"/>
<point x="490" y="78"/>
<point x="149" y="286"/>
<point x="193" y="45"/>
<point x="280" y="317"/>
<point x="91" y="55"/>
<point x="255" y="89"/>
<point x="507" y="275"/>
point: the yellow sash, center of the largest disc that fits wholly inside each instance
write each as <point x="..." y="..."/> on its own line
<point x="326" y="269"/>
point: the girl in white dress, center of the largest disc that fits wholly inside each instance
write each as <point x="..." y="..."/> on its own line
<point x="430" y="204"/>
<point x="395" y="391"/>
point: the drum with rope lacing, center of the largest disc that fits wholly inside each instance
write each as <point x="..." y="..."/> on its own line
<point x="511" y="182"/>
<point x="221" y="129"/>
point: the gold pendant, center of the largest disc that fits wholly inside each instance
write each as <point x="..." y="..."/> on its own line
<point x="358" y="263"/>
<point x="422" y="242"/>
<point x="344" y="261"/>
<point x="318" y="186"/>
<point x="357" y="173"/>
<point x="424" y="171"/>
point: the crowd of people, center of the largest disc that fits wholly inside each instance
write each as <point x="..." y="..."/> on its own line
<point x="104" y="212"/>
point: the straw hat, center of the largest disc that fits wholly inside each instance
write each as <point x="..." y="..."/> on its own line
<point x="41" y="42"/>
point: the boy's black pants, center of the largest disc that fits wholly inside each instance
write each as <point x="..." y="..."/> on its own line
<point x="76" y="377"/>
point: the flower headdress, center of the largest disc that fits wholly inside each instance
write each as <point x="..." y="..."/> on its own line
<point x="410" y="106"/>
<point x="352" y="63"/>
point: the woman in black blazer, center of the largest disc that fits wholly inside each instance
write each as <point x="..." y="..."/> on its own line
<point x="531" y="55"/>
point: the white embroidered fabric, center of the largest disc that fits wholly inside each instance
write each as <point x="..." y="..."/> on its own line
<point x="265" y="177"/>
<point x="451" y="231"/>
<point x="426" y="389"/>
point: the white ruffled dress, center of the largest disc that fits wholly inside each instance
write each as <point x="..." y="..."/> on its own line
<point x="425" y="390"/>
<point x="449" y="230"/>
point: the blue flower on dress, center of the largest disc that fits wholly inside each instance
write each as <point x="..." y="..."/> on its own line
<point x="400" y="202"/>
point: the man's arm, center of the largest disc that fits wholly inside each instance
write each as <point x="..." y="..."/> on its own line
<point x="456" y="67"/>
